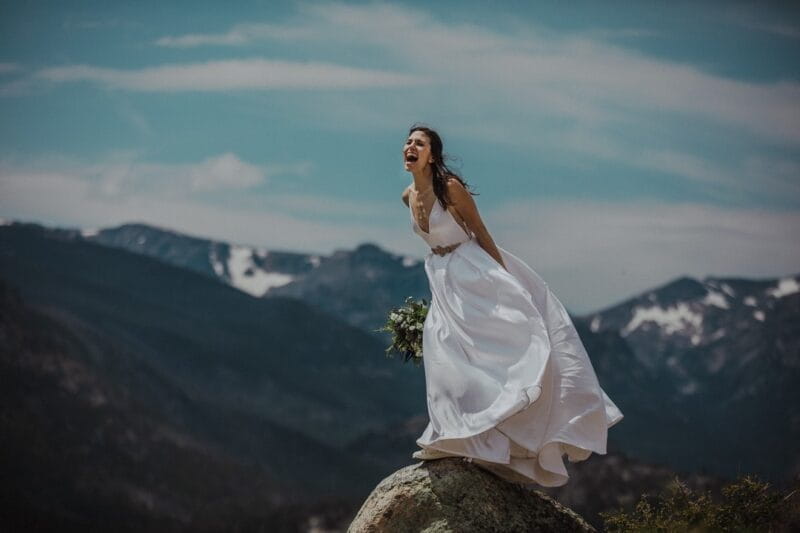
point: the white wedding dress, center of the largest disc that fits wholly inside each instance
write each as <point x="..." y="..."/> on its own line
<point x="509" y="383"/>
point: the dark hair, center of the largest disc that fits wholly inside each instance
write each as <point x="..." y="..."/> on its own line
<point x="441" y="172"/>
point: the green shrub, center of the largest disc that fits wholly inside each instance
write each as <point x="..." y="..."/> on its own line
<point x="747" y="505"/>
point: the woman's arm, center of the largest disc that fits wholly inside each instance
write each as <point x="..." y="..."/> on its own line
<point x="466" y="207"/>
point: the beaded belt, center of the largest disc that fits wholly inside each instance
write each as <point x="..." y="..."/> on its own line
<point x="441" y="250"/>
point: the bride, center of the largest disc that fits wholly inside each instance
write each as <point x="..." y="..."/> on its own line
<point x="509" y="384"/>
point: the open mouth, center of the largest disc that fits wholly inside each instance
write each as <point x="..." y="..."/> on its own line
<point x="411" y="158"/>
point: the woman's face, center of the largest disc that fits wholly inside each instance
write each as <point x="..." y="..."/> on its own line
<point x="417" y="151"/>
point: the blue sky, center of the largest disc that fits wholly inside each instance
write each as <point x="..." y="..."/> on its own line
<point x="614" y="145"/>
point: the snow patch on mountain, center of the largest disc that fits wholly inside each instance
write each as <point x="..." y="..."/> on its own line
<point x="717" y="299"/>
<point x="248" y="277"/>
<point x="672" y="319"/>
<point x="728" y="289"/>
<point x="216" y="264"/>
<point x="785" y="287"/>
<point x="409" y="261"/>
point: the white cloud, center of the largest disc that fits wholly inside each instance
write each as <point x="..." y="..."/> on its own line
<point x="784" y="30"/>
<point x="758" y="177"/>
<point x="123" y="174"/>
<point x="233" y="74"/>
<point x="58" y="190"/>
<point x="620" y="33"/>
<point x="757" y="18"/>
<point x="82" y="23"/>
<point x="238" y="35"/>
<point x="596" y="253"/>
<point x="534" y="72"/>
<point x="567" y="75"/>
<point x="226" y="171"/>
<point x="512" y="78"/>
<point x="134" y="117"/>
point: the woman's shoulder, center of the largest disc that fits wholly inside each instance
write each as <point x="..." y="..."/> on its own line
<point x="454" y="184"/>
<point x="405" y="195"/>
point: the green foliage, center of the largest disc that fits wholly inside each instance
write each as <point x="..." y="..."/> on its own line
<point x="747" y="506"/>
<point x="405" y="324"/>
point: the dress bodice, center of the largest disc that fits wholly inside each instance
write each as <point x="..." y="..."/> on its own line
<point x="443" y="230"/>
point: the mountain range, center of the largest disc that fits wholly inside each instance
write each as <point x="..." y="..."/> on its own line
<point x="357" y="285"/>
<point x="715" y="354"/>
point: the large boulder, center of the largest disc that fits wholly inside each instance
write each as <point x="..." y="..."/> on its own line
<point x="451" y="494"/>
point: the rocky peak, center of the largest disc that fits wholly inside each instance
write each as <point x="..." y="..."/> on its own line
<point x="451" y="494"/>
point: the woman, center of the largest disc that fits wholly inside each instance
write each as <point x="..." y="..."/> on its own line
<point x="509" y="383"/>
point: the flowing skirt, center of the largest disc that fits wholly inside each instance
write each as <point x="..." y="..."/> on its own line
<point x="509" y="383"/>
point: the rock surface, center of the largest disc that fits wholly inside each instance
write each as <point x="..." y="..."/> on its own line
<point x="451" y="494"/>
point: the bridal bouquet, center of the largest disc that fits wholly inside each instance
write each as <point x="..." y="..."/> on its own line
<point x="405" y="324"/>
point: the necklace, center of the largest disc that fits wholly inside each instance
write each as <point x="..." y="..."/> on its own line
<point x="417" y="193"/>
<point x="419" y="212"/>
